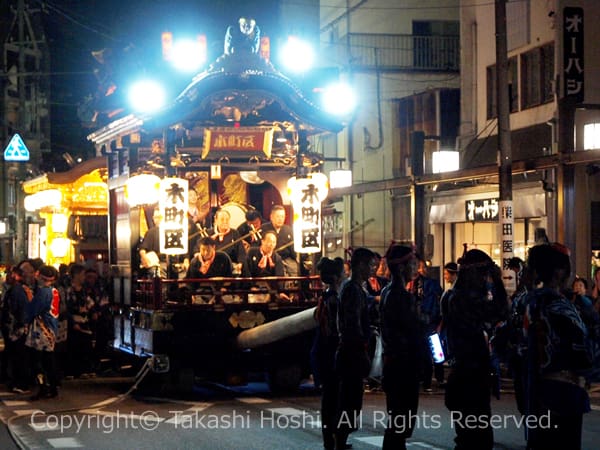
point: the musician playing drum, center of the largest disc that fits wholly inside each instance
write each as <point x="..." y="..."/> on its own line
<point x="227" y="239"/>
<point x="285" y="240"/>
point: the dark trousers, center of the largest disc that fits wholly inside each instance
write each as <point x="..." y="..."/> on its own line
<point x="564" y="433"/>
<point x="17" y="359"/>
<point x="352" y="366"/>
<point x="565" y="403"/>
<point x="80" y="352"/>
<point x="329" y="406"/>
<point x="44" y="370"/>
<point x="401" y="385"/>
<point x="518" y="366"/>
<point x="468" y="395"/>
<point x="438" y="370"/>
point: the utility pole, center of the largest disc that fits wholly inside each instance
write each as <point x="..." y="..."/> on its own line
<point x="21" y="252"/>
<point x="417" y="197"/>
<point x="24" y="58"/>
<point x="504" y="146"/>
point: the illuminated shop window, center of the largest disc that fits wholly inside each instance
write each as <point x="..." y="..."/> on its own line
<point x="591" y="136"/>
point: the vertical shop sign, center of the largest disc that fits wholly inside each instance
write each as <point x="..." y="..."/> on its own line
<point x="507" y="243"/>
<point x="33" y="240"/>
<point x="173" y="204"/>
<point x="573" y="58"/>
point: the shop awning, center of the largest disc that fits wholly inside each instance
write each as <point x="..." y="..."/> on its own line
<point x="526" y="203"/>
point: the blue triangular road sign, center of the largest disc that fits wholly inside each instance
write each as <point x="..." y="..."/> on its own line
<point x="16" y="150"/>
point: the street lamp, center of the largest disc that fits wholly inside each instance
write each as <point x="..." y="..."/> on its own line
<point x="339" y="99"/>
<point x="445" y="161"/>
<point x="297" y="55"/>
<point x="147" y="96"/>
<point x="189" y="55"/>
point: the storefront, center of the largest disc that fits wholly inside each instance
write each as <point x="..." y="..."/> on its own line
<point x="470" y="216"/>
<point x="68" y="215"/>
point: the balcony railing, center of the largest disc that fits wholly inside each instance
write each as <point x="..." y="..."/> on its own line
<point x="404" y="52"/>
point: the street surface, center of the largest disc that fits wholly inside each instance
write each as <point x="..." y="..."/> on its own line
<point x="95" y="414"/>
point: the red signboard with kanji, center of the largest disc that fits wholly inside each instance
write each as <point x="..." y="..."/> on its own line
<point x="242" y="141"/>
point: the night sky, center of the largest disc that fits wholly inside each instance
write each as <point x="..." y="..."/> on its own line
<point x="75" y="28"/>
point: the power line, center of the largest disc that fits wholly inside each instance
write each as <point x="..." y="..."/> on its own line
<point x="46" y="5"/>
<point x="413" y="8"/>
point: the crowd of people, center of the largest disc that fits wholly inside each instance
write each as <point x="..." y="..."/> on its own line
<point x="56" y="324"/>
<point x="546" y="335"/>
<point x="375" y="311"/>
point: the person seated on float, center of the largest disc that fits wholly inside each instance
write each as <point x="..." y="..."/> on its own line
<point x="154" y="262"/>
<point x="285" y="240"/>
<point x="227" y="239"/>
<point x="208" y="262"/>
<point x="264" y="262"/>
<point x="251" y="229"/>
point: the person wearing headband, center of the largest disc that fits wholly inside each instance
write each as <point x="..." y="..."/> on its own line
<point x="403" y="345"/>
<point x="42" y="316"/>
<point x="478" y="302"/>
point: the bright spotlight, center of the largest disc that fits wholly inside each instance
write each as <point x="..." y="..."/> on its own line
<point x="339" y="99"/>
<point x="188" y="55"/>
<point x="297" y="55"/>
<point x="147" y="96"/>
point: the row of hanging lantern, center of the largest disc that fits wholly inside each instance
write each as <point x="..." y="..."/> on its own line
<point x="171" y="195"/>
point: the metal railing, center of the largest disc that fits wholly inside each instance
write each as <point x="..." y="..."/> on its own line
<point x="214" y="293"/>
<point x="404" y="52"/>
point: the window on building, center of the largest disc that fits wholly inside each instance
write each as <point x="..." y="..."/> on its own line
<point x="537" y="71"/>
<point x="591" y="136"/>
<point x="513" y="88"/>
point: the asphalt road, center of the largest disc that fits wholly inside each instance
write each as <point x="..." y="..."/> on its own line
<point x="96" y="414"/>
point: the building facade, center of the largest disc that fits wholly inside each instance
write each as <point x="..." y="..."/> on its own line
<point x="553" y="101"/>
<point x="24" y="110"/>
<point x="552" y="75"/>
<point x="403" y="61"/>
